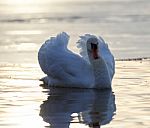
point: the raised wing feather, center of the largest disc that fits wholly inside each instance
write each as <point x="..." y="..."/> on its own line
<point x="47" y="51"/>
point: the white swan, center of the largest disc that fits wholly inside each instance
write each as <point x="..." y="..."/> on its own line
<point x="93" y="69"/>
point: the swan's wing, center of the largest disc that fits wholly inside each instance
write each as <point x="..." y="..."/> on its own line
<point x="107" y="56"/>
<point x="47" y="52"/>
<point x="42" y="58"/>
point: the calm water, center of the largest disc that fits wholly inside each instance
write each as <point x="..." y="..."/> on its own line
<point x="24" y="25"/>
<point x="23" y="103"/>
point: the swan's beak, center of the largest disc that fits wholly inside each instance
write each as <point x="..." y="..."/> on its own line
<point x="94" y="48"/>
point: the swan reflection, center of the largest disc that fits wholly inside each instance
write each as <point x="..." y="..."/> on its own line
<point x="90" y="107"/>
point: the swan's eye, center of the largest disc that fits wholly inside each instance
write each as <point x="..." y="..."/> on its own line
<point x="93" y="46"/>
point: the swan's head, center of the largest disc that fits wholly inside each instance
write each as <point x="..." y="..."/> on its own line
<point x="92" y="47"/>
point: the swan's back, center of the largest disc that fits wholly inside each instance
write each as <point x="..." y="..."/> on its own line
<point x="104" y="52"/>
<point x="48" y="50"/>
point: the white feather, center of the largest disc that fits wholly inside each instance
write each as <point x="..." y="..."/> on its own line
<point x="67" y="69"/>
<point x="104" y="52"/>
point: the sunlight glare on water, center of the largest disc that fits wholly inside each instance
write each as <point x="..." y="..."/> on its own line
<point x="35" y="21"/>
<point x="20" y="6"/>
<point x="28" y="6"/>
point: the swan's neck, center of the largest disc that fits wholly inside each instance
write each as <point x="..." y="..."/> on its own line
<point x="100" y="72"/>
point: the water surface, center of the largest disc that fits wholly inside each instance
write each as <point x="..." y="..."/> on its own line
<point x="25" y="25"/>
<point x="23" y="103"/>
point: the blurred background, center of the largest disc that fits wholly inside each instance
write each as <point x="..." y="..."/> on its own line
<point x="26" y="24"/>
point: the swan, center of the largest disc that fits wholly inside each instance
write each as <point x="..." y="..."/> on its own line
<point x="93" y="68"/>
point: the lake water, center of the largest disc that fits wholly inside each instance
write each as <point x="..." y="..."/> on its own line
<point x="24" y="25"/>
<point x="24" y="103"/>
